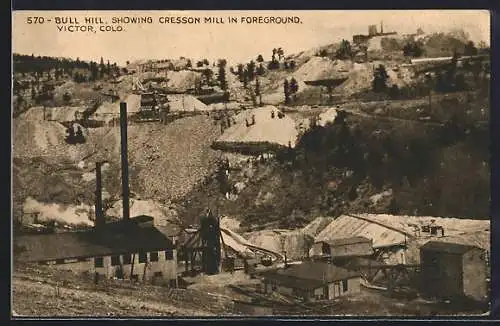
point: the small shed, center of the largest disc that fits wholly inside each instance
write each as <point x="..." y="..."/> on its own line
<point x="451" y="270"/>
<point x="344" y="247"/>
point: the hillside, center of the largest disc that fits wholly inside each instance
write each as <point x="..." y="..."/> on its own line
<point x="162" y="165"/>
<point x="172" y="162"/>
<point x="381" y="166"/>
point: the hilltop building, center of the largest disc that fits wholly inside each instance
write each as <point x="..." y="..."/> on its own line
<point x="372" y="32"/>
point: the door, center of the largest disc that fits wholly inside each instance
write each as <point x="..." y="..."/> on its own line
<point x="336" y="289"/>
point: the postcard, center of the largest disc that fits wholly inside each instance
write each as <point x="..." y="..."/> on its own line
<point x="251" y="163"/>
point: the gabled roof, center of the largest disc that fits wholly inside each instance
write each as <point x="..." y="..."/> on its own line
<point x="448" y="247"/>
<point x="112" y="238"/>
<point x="354" y="226"/>
<point x="310" y="274"/>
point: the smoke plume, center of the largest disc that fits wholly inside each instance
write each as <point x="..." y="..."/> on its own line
<point x="64" y="214"/>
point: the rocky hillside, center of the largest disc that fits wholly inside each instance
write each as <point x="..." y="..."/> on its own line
<point x="364" y="164"/>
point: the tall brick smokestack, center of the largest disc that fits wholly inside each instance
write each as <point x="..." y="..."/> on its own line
<point x="124" y="152"/>
<point x="99" y="214"/>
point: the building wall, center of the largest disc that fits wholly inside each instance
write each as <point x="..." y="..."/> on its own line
<point x="329" y="291"/>
<point x="168" y="268"/>
<point x="474" y="274"/>
<point x="77" y="266"/>
<point x="336" y="289"/>
<point x="441" y="274"/>
<point x="355" y="249"/>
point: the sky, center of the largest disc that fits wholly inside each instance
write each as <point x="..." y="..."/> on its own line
<point x="236" y="42"/>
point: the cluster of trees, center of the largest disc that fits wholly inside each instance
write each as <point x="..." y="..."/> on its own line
<point x="247" y="73"/>
<point x="409" y="162"/>
<point x="97" y="71"/>
<point x="202" y="63"/>
<point x="416" y="49"/>
<point x="344" y="52"/>
<point x="448" y="78"/>
<point x="413" y="49"/>
<point x="80" y="71"/>
<point x="275" y="62"/>
<point x="290" y="89"/>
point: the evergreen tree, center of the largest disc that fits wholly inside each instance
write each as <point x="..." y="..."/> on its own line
<point x="240" y="72"/>
<point x="251" y="70"/>
<point x="286" y="88"/>
<point x="294" y="86"/>
<point x="245" y="78"/>
<point x="470" y="49"/>
<point x="222" y="74"/>
<point x="102" y="68"/>
<point x="260" y="70"/>
<point x="208" y="73"/>
<point x="281" y="53"/>
<point x="379" y="83"/>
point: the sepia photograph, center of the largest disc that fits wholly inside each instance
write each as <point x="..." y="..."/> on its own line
<point x="250" y="163"/>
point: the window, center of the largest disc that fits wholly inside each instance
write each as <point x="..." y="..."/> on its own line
<point x="325" y="248"/>
<point x="127" y="259"/>
<point x="143" y="257"/>
<point x="344" y="285"/>
<point x="59" y="261"/>
<point x="115" y="260"/>
<point x="153" y="256"/>
<point x="169" y="254"/>
<point x="98" y="262"/>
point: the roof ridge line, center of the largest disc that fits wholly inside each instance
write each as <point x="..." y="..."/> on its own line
<point x="382" y="224"/>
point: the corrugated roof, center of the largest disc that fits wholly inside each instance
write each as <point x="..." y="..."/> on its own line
<point x="113" y="238"/>
<point x="186" y="103"/>
<point x="310" y="274"/>
<point x="447" y="247"/>
<point x="351" y="226"/>
<point x="388" y="230"/>
<point x="346" y="241"/>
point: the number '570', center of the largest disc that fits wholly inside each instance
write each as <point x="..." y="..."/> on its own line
<point x="35" y="20"/>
